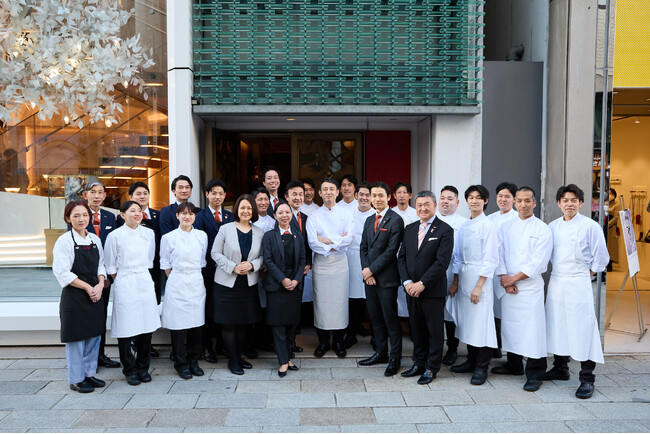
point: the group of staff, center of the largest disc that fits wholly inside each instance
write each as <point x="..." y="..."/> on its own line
<point x="478" y="279"/>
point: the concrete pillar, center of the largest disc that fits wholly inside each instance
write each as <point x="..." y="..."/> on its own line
<point x="183" y="129"/>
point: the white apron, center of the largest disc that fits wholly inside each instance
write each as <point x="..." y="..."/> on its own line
<point x="135" y="310"/>
<point x="357" y="285"/>
<point x="331" y="293"/>
<point x="184" y="300"/>
<point x="523" y="323"/>
<point x="474" y="322"/>
<point x="450" y="302"/>
<point x="571" y="327"/>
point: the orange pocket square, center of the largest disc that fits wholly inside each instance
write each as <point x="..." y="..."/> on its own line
<point x="382" y="229"/>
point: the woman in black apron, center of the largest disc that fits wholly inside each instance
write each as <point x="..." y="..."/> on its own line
<point x="79" y="267"/>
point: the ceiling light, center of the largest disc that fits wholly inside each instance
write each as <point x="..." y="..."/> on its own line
<point x="290" y="119"/>
<point x="636" y="120"/>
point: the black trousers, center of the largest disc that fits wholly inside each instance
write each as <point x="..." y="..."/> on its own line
<point x="210" y="331"/>
<point x="426" y="319"/>
<point x="106" y="293"/>
<point x="324" y="336"/>
<point x="561" y="363"/>
<point x="497" y="327"/>
<point x="187" y="354"/>
<point x="534" y="367"/>
<point x="479" y="356"/>
<point x="283" y="338"/>
<point x="357" y="313"/>
<point x="452" y="340"/>
<point x="382" y="307"/>
<point x="139" y="363"/>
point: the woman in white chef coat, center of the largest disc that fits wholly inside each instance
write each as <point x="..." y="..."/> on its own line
<point x="79" y="267"/>
<point x="129" y="254"/>
<point x="182" y="255"/>
<point x="476" y="257"/>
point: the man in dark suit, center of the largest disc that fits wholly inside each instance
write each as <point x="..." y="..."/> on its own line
<point x="209" y="220"/>
<point x="295" y="197"/>
<point x="423" y="260"/>
<point x="380" y="241"/>
<point x="182" y="189"/>
<point x="102" y="223"/>
<point x="271" y="181"/>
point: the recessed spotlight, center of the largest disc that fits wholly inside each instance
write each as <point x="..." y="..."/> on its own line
<point x="392" y="119"/>
<point x="290" y="119"/>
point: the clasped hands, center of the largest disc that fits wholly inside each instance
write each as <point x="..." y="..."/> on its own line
<point x="243" y="268"/>
<point x="288" y="284"/>
<point x="95" y="292"/>
<point x="508" y="282"/>
<point x="368" y="277"/>
<point x="414" y="289"/>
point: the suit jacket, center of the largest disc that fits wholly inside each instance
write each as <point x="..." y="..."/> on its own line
<point x="378" y="250"/>
<point x="429" y="263"/>
<point x="205" y="221"/>
<point x="106" y="226"/>
<point x="274" y="259"/>
<point x="271" y="208"/>
<point x="168" y="220"/>
<point x="296" y="228"/>
<point x="227" y="254"/>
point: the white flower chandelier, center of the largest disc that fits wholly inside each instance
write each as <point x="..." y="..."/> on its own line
<point x="66" y="57"/>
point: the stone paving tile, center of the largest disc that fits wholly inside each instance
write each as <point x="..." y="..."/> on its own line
<point x="393" y="384"/>
<point x="271" y="364"/>
<point x="90" y="401"/>
<point x="511" y="396"/>
<point x="268" y="386"/>
<point x="544" y="426"/>
<point x="610" y="367"/>
<point x="332" y="386"/>
<point x="114" y="419"/>
<point x="249" y="374"/>
<point x="301" y="400"/>
<point x="210" y="386"/>
<point x="405" y="427"/>
<point x="156" y="401"/>
<point x="4" y="363"/>
<point x="66" y="430"/>
<point x="63" y="388"/>
<point x="644" y="422"/>
<point x="626" y="394"/>
<point x="169" y="373"/>
<point x="243" y="400"/>
<point x="637" y="380"/>
<point x="461" y="381"/>
<point x="40" y="419"/>
<point x="311" y="428"/>
<point x="220" y="429"/>
<point x="482" y="413"/>
<point x="107" y="374"/>
<point x="196" y="417"/>
<point x="147" y="429"/>
<point x="35" y="364"/>
<point x="617" y="410"/>
<point x="400" y="415"/>
<point x="606" y="426"/>
<point x="357" y="373"/>
<point x="455" y="427"/>
<point x="430" y="397"/>
<point x="306" y="374"/>
<point x="22" y="374"/>
<point x="263" y="417"/>
<point x="28" y="402"/>
<point x="601" y="380"/>
<point x="506" y="381"/>
<point x="121" y="386"/>
<point x="21" y="387"/>
<point x="329" y="363"/>
<point x="18" y="430"/>
<point x="343" y="416"/>
<point x="564" y="411"/>
<point x="563" y="394"/>
<point x="370" y="399"/>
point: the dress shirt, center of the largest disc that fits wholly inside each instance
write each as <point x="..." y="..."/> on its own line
<point x="220" y="211"/>
<point x="282" y="231"/>
<point x="63" y="253"/>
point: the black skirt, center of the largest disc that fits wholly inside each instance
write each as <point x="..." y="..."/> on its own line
<point x="283" y="307"/>
<point x="237" y="305"/>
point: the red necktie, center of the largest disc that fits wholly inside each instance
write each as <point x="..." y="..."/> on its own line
<point x="275" y="203"/>
<point x="96" y="223"/>
<point x="144" y="215"/>
<point x="286" y="233"/>
<point x="377" y="222"/>
<point x="217" y="217"/>
<point x="299" y="221"/>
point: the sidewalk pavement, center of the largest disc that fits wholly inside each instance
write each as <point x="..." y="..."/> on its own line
<point x="325" y="395"/>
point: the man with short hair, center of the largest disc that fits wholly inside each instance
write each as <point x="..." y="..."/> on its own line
<point x="423" y="259"/>
<point x="330" y="233"/>
<point x="271" y="181"/>
<point x="182" y="190"/>
<point x="348" y="187"/>
<point x="310" y="190"/>
<point x="446" y="212"/>
<point x="381" y="239"/>
<point x="101" y="223"/>
<point x="579" y="251"/>
<point x="505" y="199"/>
<point x="209" y="220"/>
<point x="527" y="246"/>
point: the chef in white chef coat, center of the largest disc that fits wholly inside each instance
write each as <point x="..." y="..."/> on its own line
<point x="403" y="192"/>
<point x="182" y="255"/>
<point x="579" y="251"/>
<point x="129" y="254"/>
<point x="447" y="206"/>
<point x="475" y="259"/>
<point x="527" y="246"/>
<point x="505" y="199"/>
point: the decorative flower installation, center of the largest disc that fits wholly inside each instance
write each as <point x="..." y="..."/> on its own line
<point x="66" y="57"/>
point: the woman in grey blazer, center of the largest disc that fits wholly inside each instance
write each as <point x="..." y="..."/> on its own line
<point x="237" y="251"/>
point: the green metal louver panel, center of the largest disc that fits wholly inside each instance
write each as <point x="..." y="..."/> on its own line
<point x="337" y="52"/>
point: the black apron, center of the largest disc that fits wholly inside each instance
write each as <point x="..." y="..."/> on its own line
<point x="82" y="319"/>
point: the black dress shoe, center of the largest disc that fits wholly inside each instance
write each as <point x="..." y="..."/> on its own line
<point x="532" y="385"/>
<point x="554" y="374"/>
<point x="133" y="379"/>
<point x="197" y="371"/>
<point x="363" y="332"/>
<point x="413" y="371"/>
<point x="145" y="377"/>
<point x="339" y="349"/>
<point x="244" y="364"/>
<point x="154" y="352"/>
<point x="235" y="368"/>
<point x="185" y="374"/>
<point x="585" y="391"/>
<point x="297" y="349"/>
<point x="427" y="377"/>
<point x="293" y="368"/>
<point x="375" y="359"/>
<point x="282" y="374"/>
<point x="321" y="350"/>
<point x="251" y="353"/>
<point x="95" y="382"/>
<point x="210" y="357"/>
<point x="83" y="387"/>
<point x="349" y="341"/>
<point x="463" y="368"/>
<point x="496" y="353"/>
<point x="104" y="361"/>
<point x="450" y="358"/>
<point x="392" y="368"/>
<point x="506" y="370"/>
<point x="479" y="377"/>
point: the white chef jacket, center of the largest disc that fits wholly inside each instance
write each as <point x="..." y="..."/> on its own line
<point x="308" y="209"/>
<point x="349" y="206"/>
<point x="454" y="220"/>
<point x="265" y="223"/>
<point x="331" y="224"/>
<point x="64" y="256"/>
<point x="499" y="220"/>
<point x="357" y="285"/>
<point x="409" y="215"/>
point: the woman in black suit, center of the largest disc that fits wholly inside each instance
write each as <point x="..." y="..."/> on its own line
<point x="284" y="258"/>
